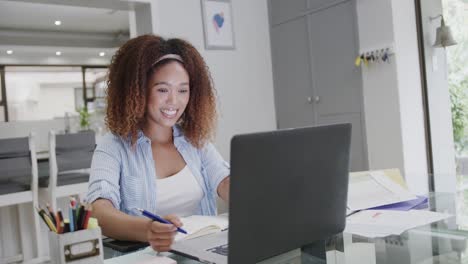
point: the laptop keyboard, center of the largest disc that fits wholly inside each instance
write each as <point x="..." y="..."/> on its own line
<point x="221" y="250"/>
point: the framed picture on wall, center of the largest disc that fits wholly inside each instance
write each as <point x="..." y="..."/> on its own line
<point x="217" y="24"/>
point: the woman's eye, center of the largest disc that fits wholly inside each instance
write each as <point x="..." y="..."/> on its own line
<point x="162" y="90"/>
<point x="183" y="90"/>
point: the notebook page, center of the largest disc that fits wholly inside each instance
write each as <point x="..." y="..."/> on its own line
<point x="200" y="225"/>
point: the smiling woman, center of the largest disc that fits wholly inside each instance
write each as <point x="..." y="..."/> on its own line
<point x="161" y="113"/>
<point x="128" y="91"/>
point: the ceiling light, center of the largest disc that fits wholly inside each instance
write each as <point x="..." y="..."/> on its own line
<point x="9" y="52"/>
<point x="58" y="22"/>
<point x="58" y="53"/>
<point x="102" y="54"/>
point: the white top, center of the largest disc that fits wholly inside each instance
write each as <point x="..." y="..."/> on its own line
<point x="179" y="194"/>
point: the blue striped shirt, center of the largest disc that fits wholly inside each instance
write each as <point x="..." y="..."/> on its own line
<point x="126" y="175"/>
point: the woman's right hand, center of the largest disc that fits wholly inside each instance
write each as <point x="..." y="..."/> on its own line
<point x="161" y="236"/>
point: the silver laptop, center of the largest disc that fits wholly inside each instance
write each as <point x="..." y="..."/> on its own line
<point x="293" y="178"/>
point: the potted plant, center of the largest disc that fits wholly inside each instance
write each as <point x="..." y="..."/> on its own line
<point x="84" y="118"/>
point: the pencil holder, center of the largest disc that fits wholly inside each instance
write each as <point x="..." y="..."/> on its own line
<point x="80" y="247"/>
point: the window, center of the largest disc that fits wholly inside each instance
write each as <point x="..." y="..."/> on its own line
<point x="37" y="93"/>
<point x="50" y="92"/>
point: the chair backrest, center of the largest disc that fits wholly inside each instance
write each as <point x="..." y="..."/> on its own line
<point x="15" y="158"/>
<point x="74" y="151"/>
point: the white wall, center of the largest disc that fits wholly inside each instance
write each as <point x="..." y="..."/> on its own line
<point x="392" y="98"/>
<point x="381" y="105"/>
<point x="410" y="95"/>
<point x="48" y="106"/>
<point x="242" y="77"/>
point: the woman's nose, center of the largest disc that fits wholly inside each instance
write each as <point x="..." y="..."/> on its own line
<point x="172" y="98"/>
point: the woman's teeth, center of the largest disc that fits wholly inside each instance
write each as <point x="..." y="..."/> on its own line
<point x="169" y="113"/>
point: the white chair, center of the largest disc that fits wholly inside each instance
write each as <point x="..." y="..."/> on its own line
<point x="19" y="186"/>
<point x="70" y="158"/>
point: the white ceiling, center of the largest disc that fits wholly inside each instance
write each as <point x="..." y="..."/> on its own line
<point x="33" y="16"/>
<point x="88" y="27"/>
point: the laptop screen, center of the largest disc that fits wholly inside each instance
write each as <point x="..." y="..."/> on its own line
<point x="288" y="189"/>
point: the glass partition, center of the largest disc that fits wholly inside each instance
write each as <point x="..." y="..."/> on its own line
<point x="39" y="93"/>
<point x="456" y="15"/>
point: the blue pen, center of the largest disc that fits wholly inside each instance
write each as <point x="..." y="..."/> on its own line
<point x="159" y="219"/>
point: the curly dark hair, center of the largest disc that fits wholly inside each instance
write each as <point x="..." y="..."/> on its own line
<point x="131" y="68"/>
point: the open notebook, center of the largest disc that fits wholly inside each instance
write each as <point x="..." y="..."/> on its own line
<point x="200" y="225"/>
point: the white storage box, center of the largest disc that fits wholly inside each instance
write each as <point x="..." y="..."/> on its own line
<point x="79" y="247"/>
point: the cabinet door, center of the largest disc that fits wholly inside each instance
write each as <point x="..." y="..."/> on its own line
<point x="358" y="157"/>
<point x="281" y="10"/>
<point x="317" y="4"/>
<point x="337" y="82"/>
<point x="291" y="71"/>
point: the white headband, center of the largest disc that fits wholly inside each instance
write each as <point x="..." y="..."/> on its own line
<point x="169" y="56"/>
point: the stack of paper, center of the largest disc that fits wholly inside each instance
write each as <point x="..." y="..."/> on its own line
<point x="381" y="223"/>
<point x="374" y="188"/>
